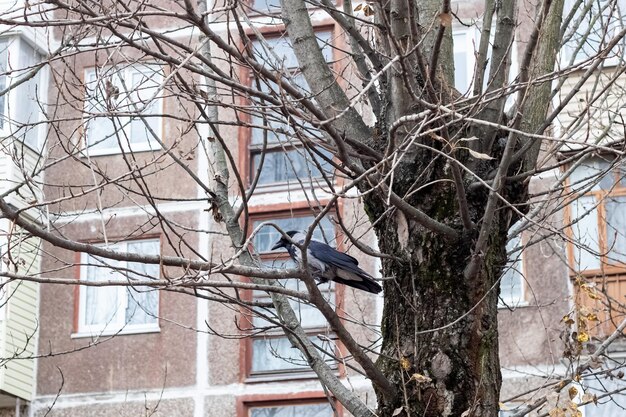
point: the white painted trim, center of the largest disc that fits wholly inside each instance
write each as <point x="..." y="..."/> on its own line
<point x="108" y="213"/>
<point x="128" y="330"/>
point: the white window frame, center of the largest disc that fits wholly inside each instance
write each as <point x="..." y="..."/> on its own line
<point x="14" y="45"/>
<point x="118" y="325"/>
<point x="126" y="71"/>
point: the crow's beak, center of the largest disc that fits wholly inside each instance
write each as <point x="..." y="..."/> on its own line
<point x="278" y="245"/>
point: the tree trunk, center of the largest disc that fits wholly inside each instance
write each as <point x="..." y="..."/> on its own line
<point x="440" y="336"/>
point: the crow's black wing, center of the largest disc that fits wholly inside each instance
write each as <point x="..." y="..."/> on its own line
<point x="330" y="255"/>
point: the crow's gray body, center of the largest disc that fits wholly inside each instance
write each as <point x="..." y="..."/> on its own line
<point x="328" y="264"/>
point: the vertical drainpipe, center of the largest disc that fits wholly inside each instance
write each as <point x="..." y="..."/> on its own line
<point x="202" y="305"/>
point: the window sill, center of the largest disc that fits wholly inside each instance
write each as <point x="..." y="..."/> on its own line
<point x="284" y="376"/>
<point x="513" y="306"/>
<point x="111" y="332"/>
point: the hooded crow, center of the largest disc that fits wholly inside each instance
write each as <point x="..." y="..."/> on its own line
<point x="328" y="264"/>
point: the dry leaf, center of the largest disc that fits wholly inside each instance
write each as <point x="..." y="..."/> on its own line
<point x="446" y="19"/>
<point x="405" y="364"/>
<point x="556" y="412"/>
<point x="421" y="379"/>
<point x="359" y="7"/>
<point x="397" y="411"/>
<point x="368" y="10"/>
<point x="590" y="398"/>
<point x="479" y="155"/>
<point x="572" y="391"/>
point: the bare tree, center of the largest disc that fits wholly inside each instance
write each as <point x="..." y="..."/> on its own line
<point x="444" y="166"/>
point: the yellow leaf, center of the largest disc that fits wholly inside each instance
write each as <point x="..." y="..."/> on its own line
<point x="405" y="364"/>
<point x="582" y="337"/>
<point x="593" y="295"/>
<point x="592" y="317"/>
<point x="572" y="391"/>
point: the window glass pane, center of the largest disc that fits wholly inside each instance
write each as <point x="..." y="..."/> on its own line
<point x="277" y="354"/>
<point x="101" y="129"/>
<point x="268" y="236"/>
<point x="28" y="109"/>
<point x="144" y="98"/>
<point x="585" y="233"/>
<point x="263" y="5"/>
<point x="309" y="316"/>
<point x="143" y="302"/>
<point x="511" y="284"/>
<point x="282" y="166"/>
<point x="4" y="54"/>
<point x="301" y="410"/>
<point x="101" y="303"/>
<point x="616" y="228"/>
<point x="278" y="51"/>
<point x="591" y="175"/>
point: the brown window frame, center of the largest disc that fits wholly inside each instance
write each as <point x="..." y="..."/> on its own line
<point x="247" y="402"/>
<point x="286" y="210"/>
<point x="246" y="158"/>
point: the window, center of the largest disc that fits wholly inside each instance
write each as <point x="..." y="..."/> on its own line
<point x="21" y="107"/>
<point x="112" y="309"/>
<point x="598" y="216"/>
<point x="264" y="5"/>
<point x="597" y="251"/>
<point x="271" y="353"/>
<point x="512" y="281"/>
<point x="123" y="106"/>
<point x="466" y="44"/>
<point x="276" y="147"/>
<point x="593" y="26"/>
<point x="321" y="409"/>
